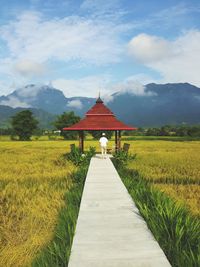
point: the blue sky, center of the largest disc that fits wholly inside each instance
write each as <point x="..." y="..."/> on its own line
<point x="86" y="46"/>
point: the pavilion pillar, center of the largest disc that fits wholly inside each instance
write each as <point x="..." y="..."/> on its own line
<point x="119" y="140"/>
<point x="81" y="141"/>
<point x="116" y="141"/>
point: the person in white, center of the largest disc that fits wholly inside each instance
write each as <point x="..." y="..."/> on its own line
<point x="103" y="143"/>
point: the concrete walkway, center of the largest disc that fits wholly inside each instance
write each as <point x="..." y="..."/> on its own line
<point x="110" y="232"/>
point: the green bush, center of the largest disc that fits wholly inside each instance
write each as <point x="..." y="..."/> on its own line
<point x="78" y="158"/>
<point x="122" y="157"/>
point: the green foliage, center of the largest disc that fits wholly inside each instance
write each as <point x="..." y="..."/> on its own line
<point x="194" y="131"/>
<point x="98" y="134"/>
<point x="65" y="120"/>
<point x="78" y="158"/>
<point x="24" y="124"/>
<point x="176" y="230"/>
<point x="6" y="131"/>
<point x="123" y="157"/>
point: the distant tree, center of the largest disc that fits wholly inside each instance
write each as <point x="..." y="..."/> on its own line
<point x="24" y="124"/>
<point x="153" y="132"/>
<point x="165" y="130"/>
<point x="139" y="132"/>
<point x="65" y="120"/>
<point x="194" y="131"/>
<point x="98" y="134"/>
<point x="6" y="131"/>
<point x="182" y="130"/>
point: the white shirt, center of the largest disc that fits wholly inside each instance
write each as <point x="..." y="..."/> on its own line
<point x="103" y="141"/>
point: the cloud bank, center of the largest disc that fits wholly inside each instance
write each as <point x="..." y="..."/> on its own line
<point x="146" y="48"/>
<point x="89" y="86"/>
<point x="29" y="68"/>
<point x="75" y="104"/>
<point x="95" y="42"/>
<point x="176" y="61"/>
<point x="14" y="102"/>
<point x="71" y="38"/>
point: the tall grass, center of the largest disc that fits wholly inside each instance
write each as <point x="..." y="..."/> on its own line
<point x="39" y="202"/>
<point x="57" y="252"/>
<point x="167" y="161"/>
<point x="184" y="194"/>
<point x="172" y="167"/>
<point x="176" y="230"/>
<point x="33" y="182"/>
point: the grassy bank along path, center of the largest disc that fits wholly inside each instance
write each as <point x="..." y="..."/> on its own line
<point x="110" y="231"/>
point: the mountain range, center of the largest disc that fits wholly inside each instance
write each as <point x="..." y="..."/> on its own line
<point x="45" y="119"/>
<point x="157" y="105"/>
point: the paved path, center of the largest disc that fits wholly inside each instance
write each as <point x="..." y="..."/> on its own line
<point x="110" y="232"/>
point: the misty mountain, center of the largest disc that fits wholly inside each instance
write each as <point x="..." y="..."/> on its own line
<point x="45" y="119"/>
<point x="46" y="98"/>
<point x="158" y="105"/>
<point x="161" y="104"/>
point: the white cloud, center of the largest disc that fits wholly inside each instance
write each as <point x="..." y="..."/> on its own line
<point x="107" y="98"/>
<point x="176" y="61"/>
<point x="131" y="86"/>
<point x="29" y="68"/>
<point x="4" y="87"/>
<point x="88" y="86"/>
<point x="99" y="4"/>
<point x="75" y="104"/>
<point x="100" y="7"/>
<point x="14" y="102"/>
<point x="91" y="86"/>
<point x="174" y="15"/>
<point x="71" y="38"/>
<point x="173" y="18"/>
<point x="146" y="48"/>
<point x="29" y="91"/>
<point x="142" y="78"/>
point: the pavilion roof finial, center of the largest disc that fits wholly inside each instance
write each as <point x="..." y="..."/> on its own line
<point x="99" y="100"/>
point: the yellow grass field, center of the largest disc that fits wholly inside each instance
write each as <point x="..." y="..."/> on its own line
<point x="173" y="167"/>
<point x="33" y="181"/>
<point x="184" y="194"/>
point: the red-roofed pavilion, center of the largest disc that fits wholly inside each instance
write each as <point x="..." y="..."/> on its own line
<point x="99" y="118"/>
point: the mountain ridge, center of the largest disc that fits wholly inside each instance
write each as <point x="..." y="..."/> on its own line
<point x="158" y="105"/>
<point x="45" y="119"/>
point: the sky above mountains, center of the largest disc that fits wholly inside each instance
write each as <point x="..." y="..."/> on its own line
<point x="86" y="46"/>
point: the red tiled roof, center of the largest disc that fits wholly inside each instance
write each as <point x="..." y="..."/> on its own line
<point x="99" y="109"/>
<point x="99" y="117"/>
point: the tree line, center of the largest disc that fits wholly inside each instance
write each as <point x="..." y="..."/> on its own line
<point x="168" y="130"/>
<point x="24" y="125"/>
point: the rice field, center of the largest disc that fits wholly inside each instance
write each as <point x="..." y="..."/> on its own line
<point x="33" y="181"/>
<point x="186" y="195"/>
<point x="172" y="167"/>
